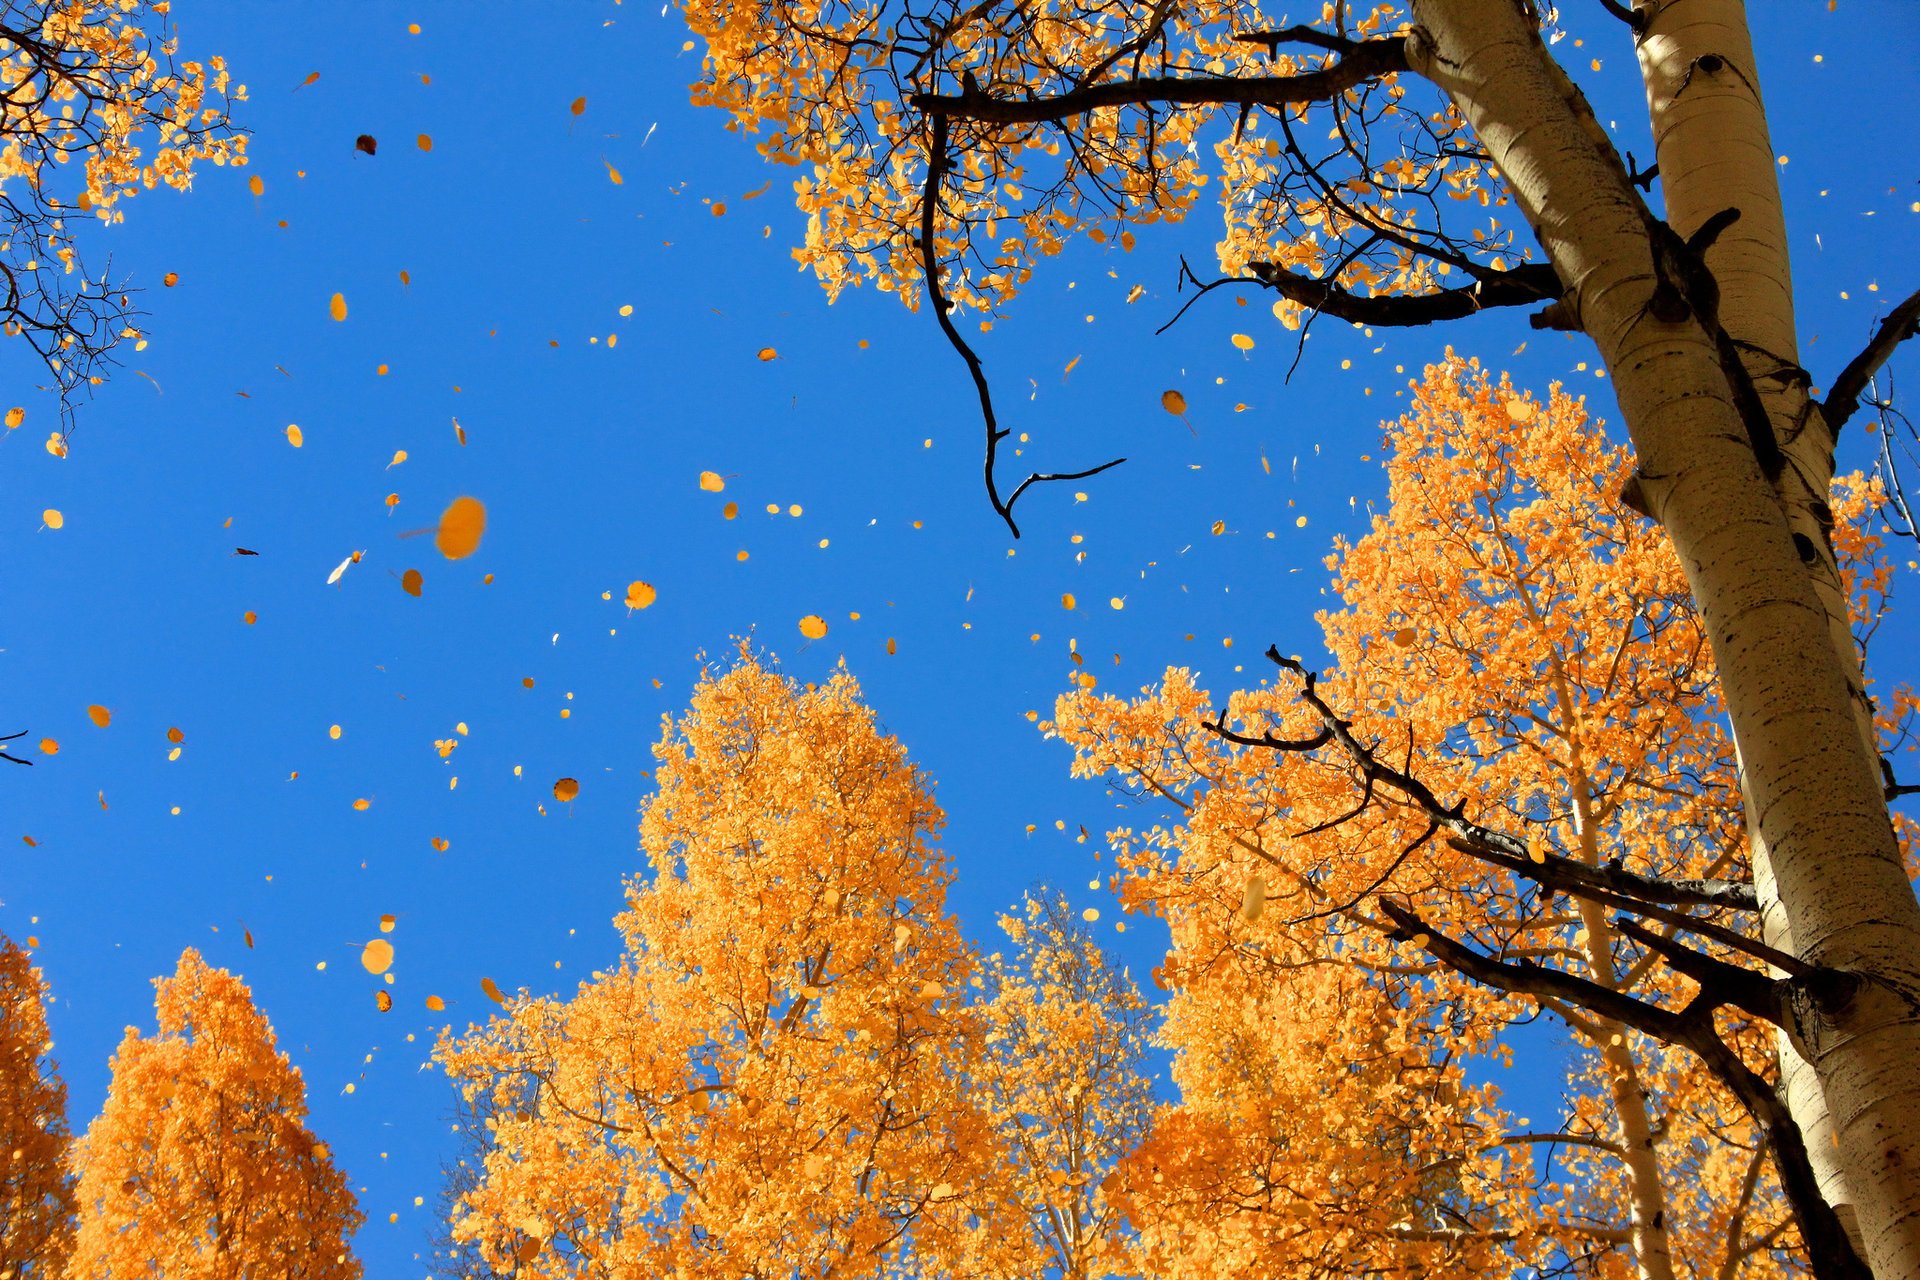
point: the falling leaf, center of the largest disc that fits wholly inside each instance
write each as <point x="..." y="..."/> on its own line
<point x="57" y="445"/>
<point x="383" y="1001"/>
<point x="768" y="353"/>
<point x="399" y="456"/>
<point x="813" y="626"/>
<point x="311" y="77"/>
<point x="294" y="436"/>
<point x="1067" y="601"/>
<point x="579" y="106"/>
<point x="492" y="989"/>
<point x="337" y="306"/>
<point x="362" y="805"/>
<point x="170" y="279"/>
<point x="612" y="173"/>
<point x="461" y="525"/>
<point x="387" y="921"/>
<point x="49" y="747"/>
<point x="639" y="595"/>
<point x="377" y="956"/>
<point x="423" y="142"/>
<point x="436" y="1004"/>
<point x="249" y="617"/>
<point x="99" y="715"/>
<point x="255" y="185"/>
<point x="175" y="735"/>
<point x="52" y="519"/>
<point x="712" y="482"/>
<point x="16" y="416"/>
<point x="410" y="582"/>
<point x="565" y="790"/>
<point x="1243" y="342"/>
<point x="365" y="142"/>
<point x="459" y="433"/>
<point x="1173" y="402"/>
<point x="439" y="844"/>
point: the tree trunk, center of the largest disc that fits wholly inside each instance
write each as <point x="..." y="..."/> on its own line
<point x="1711" y="142"/>
<point x="1811" y="781"/>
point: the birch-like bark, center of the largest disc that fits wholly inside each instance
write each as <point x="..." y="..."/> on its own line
<point x="1714" y="151"/>
<point x="1812" y="782"/>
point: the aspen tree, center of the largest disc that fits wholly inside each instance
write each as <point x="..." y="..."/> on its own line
<point x="36" y="1192"/>
<point x="1357" y="159"/>
<point x="200" y="1166"/>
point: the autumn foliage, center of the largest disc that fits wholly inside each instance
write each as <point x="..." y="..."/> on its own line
<point x="36" y="1193"/>
<point x="767" y="1081"/>
<point x="1529" y="646"/>
<point x="200" y="1166"/>
<point x="95" y="106"/>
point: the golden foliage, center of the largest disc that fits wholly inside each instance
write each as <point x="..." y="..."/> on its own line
<point x="200" y="1166"/>
<point x="1530" y="647"/>
<point x="95" y="105"/>
<point x="768" y="1082"/>
<point x="1063" y="1075"/>
<point x="844" y="91"/>
<point x="36" y="1193"/>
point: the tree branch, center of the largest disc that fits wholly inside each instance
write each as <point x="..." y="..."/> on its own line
<point x="1523" y="286"/>
<point x="1360" y="61"/>
<point x="930" y="267"/>
<point x="1843" y="398"/>
<point x="1830" y="1253"/>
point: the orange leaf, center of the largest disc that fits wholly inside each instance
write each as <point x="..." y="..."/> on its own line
<point x="460" y="529"/>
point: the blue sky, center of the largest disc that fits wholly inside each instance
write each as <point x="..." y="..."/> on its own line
<point x="521" y="253"/>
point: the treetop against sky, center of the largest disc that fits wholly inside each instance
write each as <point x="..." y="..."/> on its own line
<point x="512" y="261"/>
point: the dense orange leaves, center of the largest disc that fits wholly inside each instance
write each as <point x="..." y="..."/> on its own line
<point x="98" y="106"/>
<point x="1530" y="647"/>
<point x="765" y="1083"/>
<point x="1064" y="1077"/>
<point x="843" y="91"/>
<point x="200" y="1166"/>
<point x="36" y="1193"/>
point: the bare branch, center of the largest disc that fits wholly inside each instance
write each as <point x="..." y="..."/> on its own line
<point x="930" y="264"/>
<point x="1523" y="286"/>
<point x="1843" y="398"/>
<point x="14" y="759"/>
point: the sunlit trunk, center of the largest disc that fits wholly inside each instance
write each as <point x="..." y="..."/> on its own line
<point x="1812" y="782"/>
<point x="1711" y="142"/>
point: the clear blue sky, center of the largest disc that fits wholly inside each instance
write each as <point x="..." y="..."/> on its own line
<point x="521" y="251"/>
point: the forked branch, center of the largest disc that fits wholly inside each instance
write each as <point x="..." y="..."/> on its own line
<point x="937" y="165"/>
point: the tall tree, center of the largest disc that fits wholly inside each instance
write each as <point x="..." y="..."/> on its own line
<point x="36" y="1193"/>
<point x="1063" y="1077"/>
<point x="200" y="1165"/>
<point x="95" y="104"/>
<point x="1519" y="656"/>
<point x="1363" y="163"/>
<point x="769" y="1082"/>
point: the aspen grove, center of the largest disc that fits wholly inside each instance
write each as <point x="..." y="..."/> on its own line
<point x="1541" y="906"/>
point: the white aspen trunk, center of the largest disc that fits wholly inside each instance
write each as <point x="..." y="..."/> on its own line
<point x="1811" y="781"/>
<point x="1714" y="151"/>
